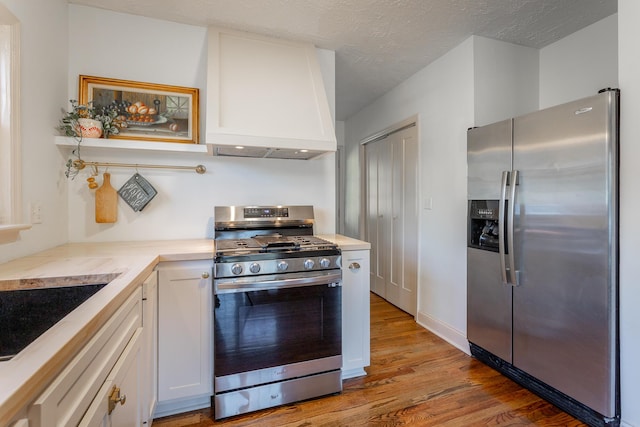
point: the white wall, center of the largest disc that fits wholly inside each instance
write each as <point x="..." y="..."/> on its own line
<point x="169" y="53"/>
<point x="629" y="83"/>
<point x="442" y="97"/>
<point x="505" y="80"/>
<point x="43" y="84"/>
<point x="580" y="64"/>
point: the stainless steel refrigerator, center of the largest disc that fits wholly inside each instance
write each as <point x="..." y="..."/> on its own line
<point x="542" y="253"/>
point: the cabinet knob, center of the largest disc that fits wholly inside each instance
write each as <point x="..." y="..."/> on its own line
<point x="354" y="266"/>
<point x="115" y="398"/>
<point x="205" y="275"/>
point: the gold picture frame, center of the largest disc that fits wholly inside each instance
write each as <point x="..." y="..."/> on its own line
<point x="147" y="111"/>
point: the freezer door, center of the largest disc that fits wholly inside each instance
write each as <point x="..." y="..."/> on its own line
<point x="488" y="299"/>
<point x="488" y="154"/>
<point x="564" y="309"/>
<point x="488" y="304"/>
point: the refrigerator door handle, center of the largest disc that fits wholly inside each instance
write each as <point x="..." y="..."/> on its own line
<point x="502" y="217"/>
<point x="514" y="275"/>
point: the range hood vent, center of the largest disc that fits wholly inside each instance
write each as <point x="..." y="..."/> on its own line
<point x="266" y="95"/>
<point x="265" y="153"/>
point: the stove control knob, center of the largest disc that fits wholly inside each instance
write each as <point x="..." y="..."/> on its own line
<point x="283" y="265"/>
<point x="308" y="264"/>
<point x="236" y="269"/>
<point x="325" y="262"/>
<point x="254" y="267"/>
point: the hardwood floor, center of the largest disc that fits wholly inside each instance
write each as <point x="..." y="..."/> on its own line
<point x="415" y="379"/>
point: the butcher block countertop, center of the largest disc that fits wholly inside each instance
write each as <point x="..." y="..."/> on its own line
<point x="346" y="243"/>
<point x="25" y="376"/>
<point x="28" y="374"/>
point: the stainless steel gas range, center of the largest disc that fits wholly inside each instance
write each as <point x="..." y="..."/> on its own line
<point x="277" y="315"/>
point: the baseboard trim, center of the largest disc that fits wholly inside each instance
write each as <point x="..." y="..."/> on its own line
<point x="353" y="373"/>
<point x="178" y="406"/>
<point x="448" y="333"/>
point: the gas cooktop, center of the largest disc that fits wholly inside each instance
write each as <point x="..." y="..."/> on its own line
<point x="271" y="243"/>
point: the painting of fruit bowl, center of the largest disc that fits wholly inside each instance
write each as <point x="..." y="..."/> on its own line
<point x="146" y="111"/>
<point x="145" y="120"/>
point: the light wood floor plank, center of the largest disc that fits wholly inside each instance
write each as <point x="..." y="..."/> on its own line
<point x="415" y="379"/>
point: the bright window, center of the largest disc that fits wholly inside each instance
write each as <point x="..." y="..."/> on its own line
<point x="10" y="189"/>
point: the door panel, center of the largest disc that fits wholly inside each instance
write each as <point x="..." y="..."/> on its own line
<point x="394" y="164"/>
<point x="409" y="215"/>
<point x="403" y="271"/>
<point x="489" y="301"/>
<point x="384" y="218"/>
<point x="392" y="217"/>
<point x="374" y="219"/>
<point x="564" y="247"/>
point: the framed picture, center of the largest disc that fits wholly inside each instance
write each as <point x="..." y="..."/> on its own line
<point x="146" y="111"/>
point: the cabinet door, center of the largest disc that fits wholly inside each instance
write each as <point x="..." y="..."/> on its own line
<point x="126" y="376"/>
<point x="150" y="346"/>
<point x="66" y="400"/>
<point x="355" y="313"/>
<point x="185" y="330"/>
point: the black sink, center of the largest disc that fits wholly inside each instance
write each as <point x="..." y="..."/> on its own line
<point x="27" y="313"/>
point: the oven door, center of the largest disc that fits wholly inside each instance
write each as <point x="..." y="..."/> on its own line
<point x="267" y="335"/>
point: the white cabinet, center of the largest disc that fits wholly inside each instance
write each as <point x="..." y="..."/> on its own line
<point x="185" y="356"/>
<point x="111" y="357"/>
<point x="149" y="389"/>
<point x="119" y="400"/>
<point x="267" y="95"/>
<point x="355" y="313"/>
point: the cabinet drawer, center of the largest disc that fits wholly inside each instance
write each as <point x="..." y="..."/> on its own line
<point x="125" y="376"/>
<point x="65" y="401"/>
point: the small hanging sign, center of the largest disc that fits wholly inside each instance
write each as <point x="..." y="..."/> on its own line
<point x="137" y="192"/>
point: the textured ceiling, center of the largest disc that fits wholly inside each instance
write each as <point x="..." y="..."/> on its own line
<point x="379" y="43"/>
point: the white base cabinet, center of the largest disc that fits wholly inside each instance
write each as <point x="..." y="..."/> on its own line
<point x="111" y="358"/>
<point x="185" y="344"/>
<point x="150" y="347"/>
<point x="119" y="403"/>
<point x="355" y="313"/>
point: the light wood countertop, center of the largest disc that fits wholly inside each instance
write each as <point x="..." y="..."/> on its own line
<point x="29" y="373"/>
<point x="25" y="376"/>
<point x="346" y="243"/>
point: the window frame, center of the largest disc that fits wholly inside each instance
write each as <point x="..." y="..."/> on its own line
<point x="11" y="179"/>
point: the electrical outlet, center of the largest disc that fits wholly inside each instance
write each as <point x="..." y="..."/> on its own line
<point x="36" y="213"/>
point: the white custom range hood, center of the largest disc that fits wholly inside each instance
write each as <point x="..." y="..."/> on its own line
<point x="265" y="98"/>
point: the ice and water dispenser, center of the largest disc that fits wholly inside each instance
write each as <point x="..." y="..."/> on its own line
<point x="483" y="226"/>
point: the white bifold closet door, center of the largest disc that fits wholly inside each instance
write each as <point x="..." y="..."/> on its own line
<point x="392" y="216"/>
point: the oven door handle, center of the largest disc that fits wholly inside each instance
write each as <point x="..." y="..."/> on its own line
<point x="224" y="286"/>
